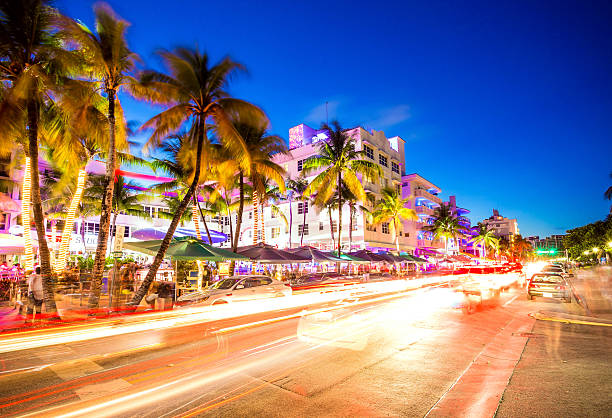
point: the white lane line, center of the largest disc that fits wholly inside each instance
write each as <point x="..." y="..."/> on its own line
<point x="511" y="300"/>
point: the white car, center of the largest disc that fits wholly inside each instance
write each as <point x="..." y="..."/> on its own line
<point x="237" y="289"/>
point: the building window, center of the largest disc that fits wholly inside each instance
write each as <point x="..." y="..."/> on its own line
<point x="369" y="152"/>
<point x="302" y="208"/>
<point x="274" y="213"/>
<point x="382" y="160"/>
<point x="126" y="232"/>
<point x="395" y="167"/>
<point x="370" y="227"/>
<point x="92" y="228"/>
<point x="385" y="227"/>
<point x="334" y="226"/>
<point x="398" y="189"/>
<point x="300" y="164"/>
<point x="250" y="215"/>
<point x="303" y="228"/>
<point x="320" y="226"/>
<point x="275" y="232"/>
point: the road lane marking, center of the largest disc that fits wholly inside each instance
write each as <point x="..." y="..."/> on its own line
<point x="511" y="300"/>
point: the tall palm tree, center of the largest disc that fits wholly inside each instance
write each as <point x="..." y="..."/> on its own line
<point x="194" y="92"/>
<point x="392" y="208"/>
<point x="32" y="63"/>
<point x="485" y="237"/>
<point x="260" y="147"/>
<point x="341" y="164"/>
<point x="445" y="225"/>
<point x="521" y="247"/>
<point x="295" y="191"/>
<point x="110" y="63"/>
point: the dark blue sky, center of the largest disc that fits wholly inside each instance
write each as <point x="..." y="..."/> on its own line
<point x="504" y="104"/>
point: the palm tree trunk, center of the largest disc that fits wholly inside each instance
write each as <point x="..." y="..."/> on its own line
<point x="39" y="219"/>
<point x="303" y="224"/>
<point x="26" y="219"/>
<point x="159" y="257"/>
<point x="395" y="224"/>
<point x="83" y="234"/>
<point x="105" y="208"/>
<point x="262" y="223"/>
<point x="240" y="210"/>
<point x="204" y="222"/>
<point x="67" y="233"/>
<point x="351" y="209"/>
<point x="290" y="219"/>
<point x="114" y="229"/>
<point x="194" y="217"/>
<point x="339" y="213"/>
<point x="331" y="227"/>
<point x="255" y="217"/>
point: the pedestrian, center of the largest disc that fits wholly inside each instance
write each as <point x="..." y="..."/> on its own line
<point x="35" y="295"/>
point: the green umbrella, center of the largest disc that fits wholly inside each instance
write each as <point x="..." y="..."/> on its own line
<point x="348" y="257"/>
<point x="413" y="258"/>
<point x="185" y="248"/>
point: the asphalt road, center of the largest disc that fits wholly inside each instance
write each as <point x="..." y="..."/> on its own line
<point x="411" y="353"/>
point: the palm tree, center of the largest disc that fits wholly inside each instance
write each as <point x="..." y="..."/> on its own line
<point x="270" y="197"/>
<point x="32" y="63"/>
<point x="194" y="92"/>
<point x="295" y="190"/>
<point x="341" y="164"/>
<point x="445" y="225"/>
<point x="485" y="237"/>
<point x="521" y="247"/>
<point x="392" y="208"/>
<point x="504" y="247"/>
<point x="109" y="62"/>
<point x="260" y="147"/>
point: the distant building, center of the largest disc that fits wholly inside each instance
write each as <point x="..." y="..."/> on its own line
<point x="553" y="241"/>
<point x="503" y="227"/>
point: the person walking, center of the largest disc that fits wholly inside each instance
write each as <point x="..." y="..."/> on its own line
<point x="35" y="296"/>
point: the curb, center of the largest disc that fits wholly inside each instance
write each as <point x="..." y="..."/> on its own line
<point x="571" y="319"/>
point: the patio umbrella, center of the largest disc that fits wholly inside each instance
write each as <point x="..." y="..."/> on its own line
<point x="413" y="258"/>
<point x="370" y="256"/>
<point x="395" y="258"/>
<point x="314" y="254"/>
<point x="349" y="257"/>
<point x="148" y="234"/>
<point x="267" y="254"/>
<point x="185" y="248"/>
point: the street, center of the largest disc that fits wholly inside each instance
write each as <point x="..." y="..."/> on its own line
<point x="411" y="352"/>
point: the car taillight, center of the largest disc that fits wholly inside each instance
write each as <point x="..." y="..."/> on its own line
<point x="561" y="287"/>
<point x="228" y="294"/>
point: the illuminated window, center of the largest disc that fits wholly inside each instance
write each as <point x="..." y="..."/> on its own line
<point x="385" y="227"/>
<point x="334" y="226"/>
<point x="300" y="164"/>
<point x="369" y="152"/>
<point x="395" y="167"/>
<point x="250" y="215"/>
<point x="320" y="226"/>
<point x="303" y="228"/>
<point x="275" y="232"/>
<point x="382" y="160"/>
<point x="302" y="208"/>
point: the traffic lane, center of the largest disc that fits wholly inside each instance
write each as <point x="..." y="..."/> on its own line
<point x="405" y="368"/>
<point x="85" y="373"/>
<point x="564" y="371"/>
<point x="245" y="342"/>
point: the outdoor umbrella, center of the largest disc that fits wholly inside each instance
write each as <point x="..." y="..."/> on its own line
<point x="185" y="248"/>
<point x="395" y="258"/>
<point x="267" y="254"/>
<point x="314" y="254"/>
<point x="413" y="258"/>
<point x="369" y="256"/>
<point x="148" y="234"/>
<point x="349" y="257"/>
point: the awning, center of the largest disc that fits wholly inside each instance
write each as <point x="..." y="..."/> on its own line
<point x="315" y="254"/>
<point x="267" y="254"/>
<point x="185" y="248"/>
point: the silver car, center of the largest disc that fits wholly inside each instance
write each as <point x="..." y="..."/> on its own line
<point x="237" y="289"/>
<point x="549" y="285"/>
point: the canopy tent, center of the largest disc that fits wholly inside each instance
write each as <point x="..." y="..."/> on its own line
<point x="393" y="257"/>
<point x="267" y="254"/>
<point x="348" y="257"/>
<point x="185" y="248"/>
<point x="413" y="258"/>
<point x="315" y="254"/>
<point x="370" y="256"/>
<point x="148" y="234"/>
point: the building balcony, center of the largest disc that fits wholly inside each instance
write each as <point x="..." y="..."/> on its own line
<point x="424" y="193"/>
<point x="424" y="210"/>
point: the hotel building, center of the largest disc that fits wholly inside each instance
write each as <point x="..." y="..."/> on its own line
<point x="503" y="227"/>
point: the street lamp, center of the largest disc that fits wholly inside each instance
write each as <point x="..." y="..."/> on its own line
<point x="586" y="252"/>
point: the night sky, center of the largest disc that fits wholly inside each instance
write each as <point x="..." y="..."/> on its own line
<point x="504" y="104"/>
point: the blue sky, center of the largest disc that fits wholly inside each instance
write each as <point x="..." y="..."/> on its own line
<point x="504" y="104"/>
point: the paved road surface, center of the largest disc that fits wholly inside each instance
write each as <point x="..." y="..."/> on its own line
<point x="407" y="354"/>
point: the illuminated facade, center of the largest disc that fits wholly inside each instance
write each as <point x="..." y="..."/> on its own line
<point x="503" y="227"/>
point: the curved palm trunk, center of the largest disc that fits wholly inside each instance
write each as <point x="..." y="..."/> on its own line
<point x="159" y="257"/>
<point x="195" y="216"/>
<point x="105" y="208"/>
<point x="339" y="214"/>
<point x="229" y="216"/>
<point x="240" y="211"/>
<point x="39" y="220"/>
<point x="26" y="219"/>
<point x="67" y="233"/>
<point x="204" y="222"/>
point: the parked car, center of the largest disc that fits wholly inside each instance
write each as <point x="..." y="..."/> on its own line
<point x="549" y="285"/>
<point x="237" y="289"/>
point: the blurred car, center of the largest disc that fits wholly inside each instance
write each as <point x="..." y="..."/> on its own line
<point x="549" y="285"/>
<point x="237" y="289"/>
<point x="316" y="280"/>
